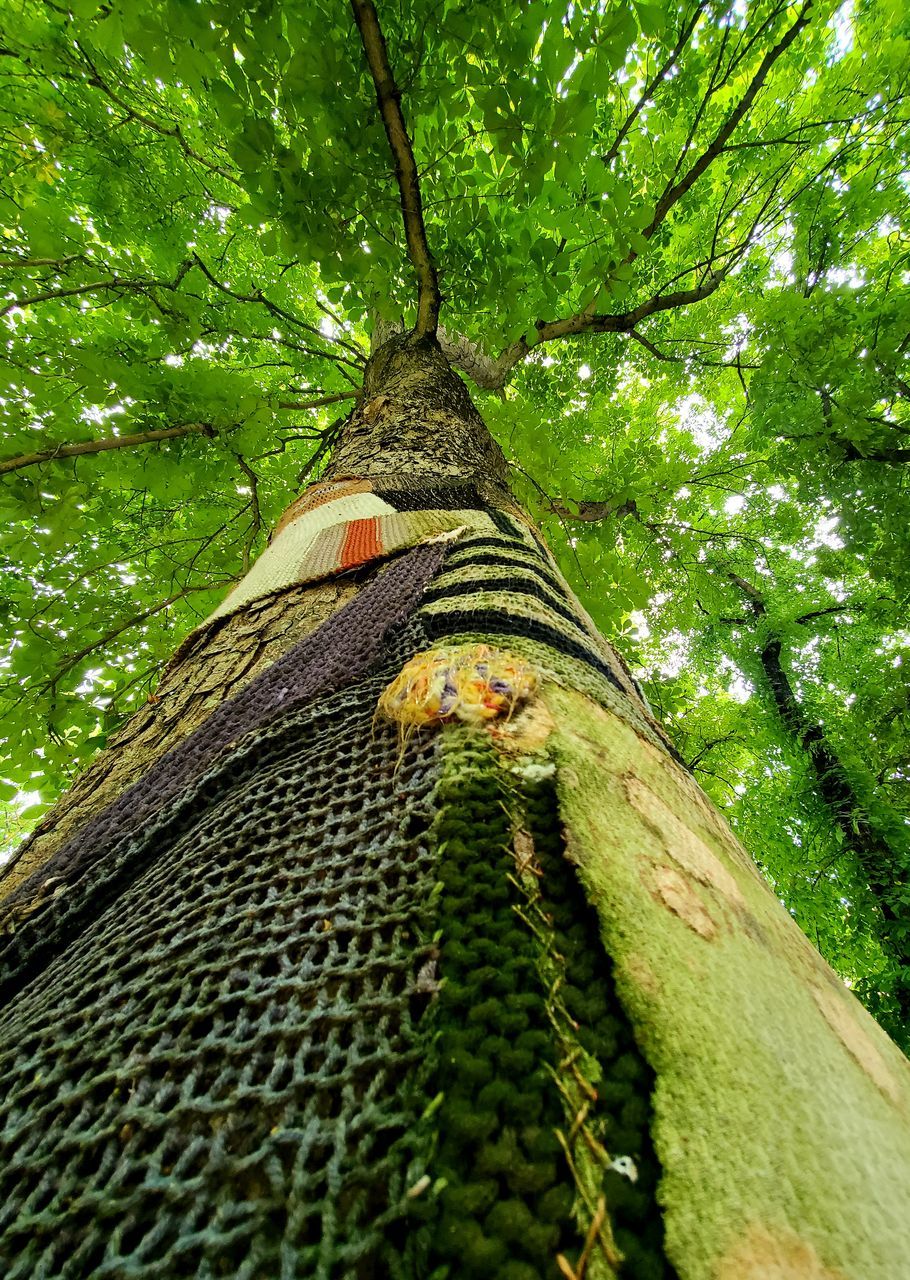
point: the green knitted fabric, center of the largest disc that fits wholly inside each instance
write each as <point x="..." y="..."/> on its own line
<point x="526" y="1008"/>
<point x="211" y="1078"/>
<point x="347" y="1017"/>
<point x="504" y="1208"/>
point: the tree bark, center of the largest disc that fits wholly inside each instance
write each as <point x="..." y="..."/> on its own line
<point x="492" y="991"/>
<point x="882" y="866"/>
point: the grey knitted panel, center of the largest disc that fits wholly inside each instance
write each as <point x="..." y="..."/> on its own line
<point x="211" y="1078"/>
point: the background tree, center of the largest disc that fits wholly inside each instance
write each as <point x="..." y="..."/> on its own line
<point x="668" y="247"/>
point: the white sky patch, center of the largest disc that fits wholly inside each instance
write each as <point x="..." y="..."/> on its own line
<point x="738" y="332"/>
<point x="99" y="413"/>
<point x="825" y="533"/>
<point x="89" y="680"/>
<point x="851" y="276"/>
<point x="217" y="213"/>
<point x="706" y="427"/>
<point x="842" y="26"/>
<point x="734" y="504"/>
<point x="640" y="623"/>
<point x="584" y="372"/>
<point x="739" y="689"/>
<point x="674" y="653"/>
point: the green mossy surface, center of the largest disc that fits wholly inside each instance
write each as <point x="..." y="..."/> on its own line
<point x="500" y="1035"/>
<point x="503" y="1205"/>
<point x="782" y="1111"/>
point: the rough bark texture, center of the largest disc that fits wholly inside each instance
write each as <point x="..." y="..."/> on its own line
<point x="417" y="419"/>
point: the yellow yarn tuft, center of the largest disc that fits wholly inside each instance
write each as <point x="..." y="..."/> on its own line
<point x="472" y="683"/>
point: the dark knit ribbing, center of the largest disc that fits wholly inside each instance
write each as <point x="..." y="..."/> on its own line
<point x="495" y="559"/>
<point x="335" y="653"/>
<point x="500" y="520"/>
<point x="430" y="497"/>
<point x="509" y="586"/>
<point x="499" y="622"/>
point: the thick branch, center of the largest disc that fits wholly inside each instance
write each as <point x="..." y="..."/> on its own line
<point x="83" y="447"/>
<point x="885" y="875"/>
<point x="388" y="95"/>
<point x="622" y="322"/>
<point x="893" y="457"/>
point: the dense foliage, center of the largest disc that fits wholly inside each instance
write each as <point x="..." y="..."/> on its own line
<point x="672" y="243"/>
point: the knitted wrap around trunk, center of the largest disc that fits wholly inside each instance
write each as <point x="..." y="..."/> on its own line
<point x="393" y="941"/>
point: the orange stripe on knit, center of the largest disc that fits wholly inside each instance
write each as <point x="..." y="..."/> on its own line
<point x="362" y="542"/>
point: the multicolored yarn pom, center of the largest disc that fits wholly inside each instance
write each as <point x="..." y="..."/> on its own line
<point x="471" y="683"/>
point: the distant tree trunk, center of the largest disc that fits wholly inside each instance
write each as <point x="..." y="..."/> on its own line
<point x="391" y="941"/>
<point x="886" y="877"/>
<point x="881" y="865"/>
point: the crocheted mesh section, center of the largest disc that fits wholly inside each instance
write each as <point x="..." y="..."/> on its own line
<point x="336" y="652"/>
<point x="211" y="1079"/>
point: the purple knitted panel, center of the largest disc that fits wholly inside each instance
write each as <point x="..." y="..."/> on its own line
<point x="335" y="653"/>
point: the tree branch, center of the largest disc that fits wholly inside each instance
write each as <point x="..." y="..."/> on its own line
<point x="134" y="621"/>
<point x="256" y="514"/>
<point x="82" y="447"/>
<point x="674" y="192"/>
<point x="688" y="27"/>
<point x="316" y="404"/>
<point x="388" y="95"/>
<point x="690" y="359"/>
<point x="114" y="283"/>
<point x="274" y="309"/>
<point x="166" y="131"/>
<point x="622" y="322"/>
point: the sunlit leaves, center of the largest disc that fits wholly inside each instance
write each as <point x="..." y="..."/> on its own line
<point x="199" y="224"/>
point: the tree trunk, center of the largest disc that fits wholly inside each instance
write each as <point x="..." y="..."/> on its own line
<point x="391" y="940"/>
<point x="882" y="864"/>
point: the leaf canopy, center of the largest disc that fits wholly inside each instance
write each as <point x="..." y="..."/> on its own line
<point x="672" y="240"/>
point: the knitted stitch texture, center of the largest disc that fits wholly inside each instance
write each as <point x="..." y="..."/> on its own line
<point x="284" y="561"/>
<point x="341" y="648"/>
<point x="205" y="1074"/>
<point x="216" y="1043"/>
